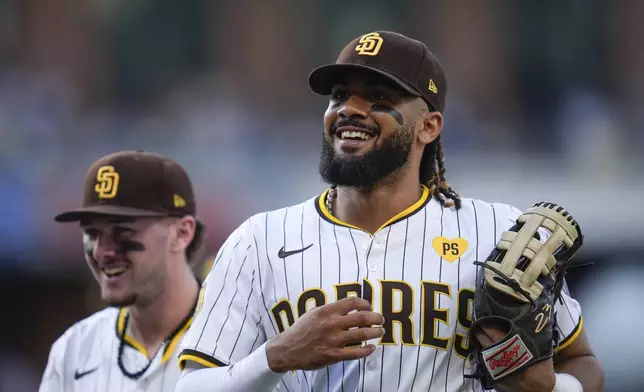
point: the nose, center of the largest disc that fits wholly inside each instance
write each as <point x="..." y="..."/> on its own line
<point x="104" y="248"/>
<point x="354" y="107"/>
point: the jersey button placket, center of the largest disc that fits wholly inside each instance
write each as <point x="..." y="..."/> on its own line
<point x="373" y="255"/>
<point x="376" y="254"/>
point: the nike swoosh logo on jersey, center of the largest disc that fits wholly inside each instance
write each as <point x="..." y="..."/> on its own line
<point x="282" y="254"/>
<point x="78" y="375"/>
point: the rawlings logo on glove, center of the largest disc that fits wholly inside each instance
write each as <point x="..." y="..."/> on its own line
<point x="503" y="360"/>
<point x="517" y="288"/>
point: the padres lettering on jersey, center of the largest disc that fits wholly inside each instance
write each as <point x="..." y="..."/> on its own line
<point x="84" y="358"/>
<point x="416" y="270"/>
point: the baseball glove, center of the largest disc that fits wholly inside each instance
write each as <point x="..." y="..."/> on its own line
<point x="516" y="291"/>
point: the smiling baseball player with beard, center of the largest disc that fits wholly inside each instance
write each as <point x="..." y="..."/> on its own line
<point x="385" y="256"/>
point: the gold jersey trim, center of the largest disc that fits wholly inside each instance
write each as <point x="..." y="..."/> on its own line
<point x="425" y="197"/>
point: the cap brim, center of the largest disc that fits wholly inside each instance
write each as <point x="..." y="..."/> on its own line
<point x="322" y="79"/>
<point x="105" y="210"/>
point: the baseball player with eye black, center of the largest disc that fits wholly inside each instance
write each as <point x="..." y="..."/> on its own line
<point x="140" y="233"/>
<point x="389" y="280"/>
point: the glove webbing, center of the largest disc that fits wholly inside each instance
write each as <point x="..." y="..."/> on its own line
<point x="512" y="283"/>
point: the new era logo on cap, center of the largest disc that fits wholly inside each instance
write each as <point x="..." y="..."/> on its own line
<point x="178" y="201"/>
<point x="432" y="86"/>
<point x="403" y="60"/>
<point x="135" y="184"/>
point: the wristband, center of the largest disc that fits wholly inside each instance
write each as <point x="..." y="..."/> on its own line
<point x="567" y="383"/>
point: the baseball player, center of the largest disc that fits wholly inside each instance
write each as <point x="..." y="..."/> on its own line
<point x="370" y="285"/>
<point x="139" y="231"/>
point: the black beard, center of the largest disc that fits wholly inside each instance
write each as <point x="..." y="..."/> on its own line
<point x="366" y="171"/>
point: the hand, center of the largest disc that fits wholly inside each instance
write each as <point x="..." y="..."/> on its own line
<point x="319" y="338"/>
<point x="537" y="377"/>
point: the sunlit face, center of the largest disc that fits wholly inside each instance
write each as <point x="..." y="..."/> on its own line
<point x="129" y="258"/>
<point x="369" y="130"/>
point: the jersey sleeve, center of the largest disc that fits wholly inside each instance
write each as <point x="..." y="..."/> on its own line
<point x="53" y="378"/>
<point x="227" y="322"/>
<point x="569" y="319"/>
<point x="567" y="310"/>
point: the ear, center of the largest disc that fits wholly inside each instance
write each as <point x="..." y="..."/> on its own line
<point x="184" y="233"/>
<point x="430" y="126"/>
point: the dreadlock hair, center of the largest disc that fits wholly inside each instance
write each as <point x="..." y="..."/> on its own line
<point x="432" y="173"/>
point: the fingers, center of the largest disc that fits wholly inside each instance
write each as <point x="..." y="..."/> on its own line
<point x="361" y="334"/>
<point x="483" y="338"/>
<point x="345" y="354"/>
<point x="361" y="319"/>
<point x="346" y="305"/>
<point x="494" y="334"/>
<point x="487" y="336"/>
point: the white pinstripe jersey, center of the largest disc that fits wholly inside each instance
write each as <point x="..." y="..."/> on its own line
<point x="84" y="358"/>
<point x="416" y="270"/>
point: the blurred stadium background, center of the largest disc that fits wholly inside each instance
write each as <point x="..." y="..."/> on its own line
<point x="545" y="103"/>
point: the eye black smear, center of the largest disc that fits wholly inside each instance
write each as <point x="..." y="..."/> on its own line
<point x="390" y="111"/>
<point x="132" y="246"/>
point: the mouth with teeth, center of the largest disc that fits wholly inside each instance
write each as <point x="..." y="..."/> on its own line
<point x="113" y="272"/>
<point x="355" y="135"/>
<point x="350" y="138"/>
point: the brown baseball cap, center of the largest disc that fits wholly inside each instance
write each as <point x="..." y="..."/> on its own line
<point x="134" y="184"/>
<point x="403" y="60"/>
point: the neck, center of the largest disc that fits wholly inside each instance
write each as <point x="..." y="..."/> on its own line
<point x="370" y="209"/>
<point x="152" y="323"/>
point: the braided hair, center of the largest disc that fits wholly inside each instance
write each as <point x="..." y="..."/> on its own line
<point x="432" y="173"/>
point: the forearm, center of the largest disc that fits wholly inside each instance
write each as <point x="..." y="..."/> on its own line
<point x="538" y="377"/>
<point x="250" y="374"/>
<point x="586" y="369"/>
